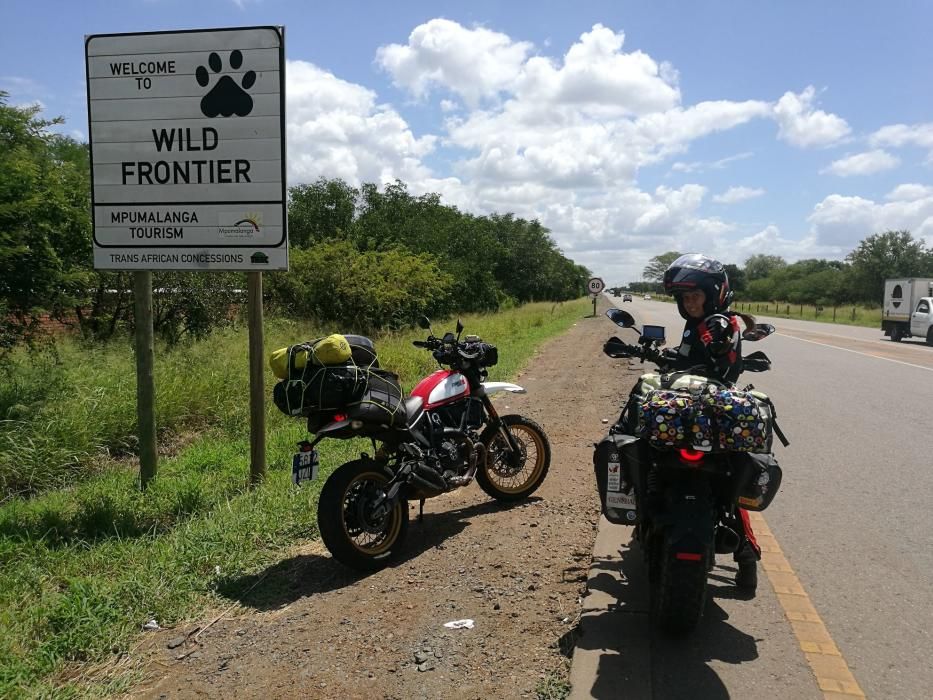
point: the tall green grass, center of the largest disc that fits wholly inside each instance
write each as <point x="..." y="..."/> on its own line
<point x="82" y="568"/>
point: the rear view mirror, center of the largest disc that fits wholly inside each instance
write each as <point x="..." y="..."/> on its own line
<point x="759" y="332"/>
<point x="459" y="327"/>
<point x="621" y="318"/>
<point x="424" y="322"/>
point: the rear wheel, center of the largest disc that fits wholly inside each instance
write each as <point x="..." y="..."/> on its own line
<point x="678" y="588"/>
<point x="896" y="334"/>
<point x="508" y="475"/>
<point x="357" y="532"/>
<point x="930" y="336"/>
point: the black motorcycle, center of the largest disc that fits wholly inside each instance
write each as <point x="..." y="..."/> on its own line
<point x="686" y="453"/>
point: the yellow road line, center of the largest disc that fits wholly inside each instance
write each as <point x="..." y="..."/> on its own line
<point x="831" y="670"/>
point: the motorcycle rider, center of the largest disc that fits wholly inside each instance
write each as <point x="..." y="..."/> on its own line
<point x="712" y="337"/>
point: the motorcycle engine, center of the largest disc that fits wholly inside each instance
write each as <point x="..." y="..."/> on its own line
<point x="452" y="456"/>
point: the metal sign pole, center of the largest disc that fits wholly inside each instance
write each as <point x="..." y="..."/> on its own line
<point x="257" y="406"/>
<point x="145" y="383"/>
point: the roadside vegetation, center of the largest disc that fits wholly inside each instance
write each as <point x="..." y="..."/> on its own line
<point x="812" y="288"/>
<point x="82" y="568"/>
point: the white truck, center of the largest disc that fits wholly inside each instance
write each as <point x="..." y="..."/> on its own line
<point x="908" y="309"/>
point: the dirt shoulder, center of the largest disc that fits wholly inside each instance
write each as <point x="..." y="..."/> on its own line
<point x="312" y="629"/>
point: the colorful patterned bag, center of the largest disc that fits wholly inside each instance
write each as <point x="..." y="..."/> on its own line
<point x="717" y="420"/>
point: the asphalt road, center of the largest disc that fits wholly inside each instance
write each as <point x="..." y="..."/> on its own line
<point x="853" y="519"/>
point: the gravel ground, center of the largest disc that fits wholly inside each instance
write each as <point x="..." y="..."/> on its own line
<point x="312" y="629"/>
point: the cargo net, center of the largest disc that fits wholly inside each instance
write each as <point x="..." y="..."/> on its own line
<point x="318" y="385"/>
<point x="713" y="420"/>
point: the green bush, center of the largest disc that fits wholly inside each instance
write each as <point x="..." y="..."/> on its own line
<point x="336" y="283"/>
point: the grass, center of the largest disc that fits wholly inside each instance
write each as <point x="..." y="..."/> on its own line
<point x="83" y="567"/>
<point x="849" y="315"/>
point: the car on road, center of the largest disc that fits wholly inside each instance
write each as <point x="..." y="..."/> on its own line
<point x="648" y="296"/>
<point x="626" y="297"/>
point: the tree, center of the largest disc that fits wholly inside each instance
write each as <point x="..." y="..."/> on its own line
<point x="884" y="255"/>
<point x="321" y="211"/>
<point x="44" y="220"/>
<point x="760" y="266"/>
<point x="654" y="271"/>
<point x="736" y="277"/>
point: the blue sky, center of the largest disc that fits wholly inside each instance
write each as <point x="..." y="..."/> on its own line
<point x="628" y="128"/>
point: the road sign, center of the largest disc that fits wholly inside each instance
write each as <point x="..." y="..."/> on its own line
<point x="187" y="133"/>
<point x="595" y="285"/>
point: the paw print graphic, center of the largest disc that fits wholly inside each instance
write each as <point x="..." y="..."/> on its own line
<point x="226" y="97"/>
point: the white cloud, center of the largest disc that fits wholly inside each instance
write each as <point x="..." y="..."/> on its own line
<point x="700" y="166"/>
<point x="843" y="221"/>
<point x="738" y="194"/>
<point x="866" y="163"/>
<point x="899" y="135"/>
<point x="909" y="193"/>
<point x="598" y="77"/>
<point x="474" y="63"/>
<point x="802" y="126"/>
<point x="558" y="138"/>
<point x="336" y="129"/>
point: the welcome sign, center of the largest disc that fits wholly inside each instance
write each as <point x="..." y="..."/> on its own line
<point x="187" y="134"/>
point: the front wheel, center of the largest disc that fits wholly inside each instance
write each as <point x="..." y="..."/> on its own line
<point x="510" y="475"/>
<point x="358" y="528"/>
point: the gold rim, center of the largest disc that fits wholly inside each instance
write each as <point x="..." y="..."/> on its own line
<point x="507" y="477"/>
<point x="371" y="538"/>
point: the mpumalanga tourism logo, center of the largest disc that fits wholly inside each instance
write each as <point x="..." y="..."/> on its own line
<point x="246" y="226"/>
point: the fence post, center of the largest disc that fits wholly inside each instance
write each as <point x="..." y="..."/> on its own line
<point x="853" y="313"/>
<point x="834" y="314"/>
<point x="801" y="311"/>
<point x="788" y="310"/>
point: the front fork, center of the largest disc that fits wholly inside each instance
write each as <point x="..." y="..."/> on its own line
<point x="497" y="423"/>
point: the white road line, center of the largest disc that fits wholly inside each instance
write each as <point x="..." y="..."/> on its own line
<point x="866" y="354"/>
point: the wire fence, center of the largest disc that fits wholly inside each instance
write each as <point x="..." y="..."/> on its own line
<point x="851" y="315"/>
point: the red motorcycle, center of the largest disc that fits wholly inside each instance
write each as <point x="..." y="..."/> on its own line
<point x="445" y="434"/>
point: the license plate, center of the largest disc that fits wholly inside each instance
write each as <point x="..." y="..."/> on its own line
<point x="304" y="466"/>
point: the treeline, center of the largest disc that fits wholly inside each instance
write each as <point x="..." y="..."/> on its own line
<point x="859" y="279"/>
<point x="393" y="255"/>
<point x="361" y="258"/>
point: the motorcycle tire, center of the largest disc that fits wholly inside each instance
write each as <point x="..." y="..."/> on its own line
<point x="354" y="535"/>
<point x="509" y="477"/>
<point x="678" y="589"/>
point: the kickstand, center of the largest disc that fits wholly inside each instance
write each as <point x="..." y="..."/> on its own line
<point x="421" y="511"/>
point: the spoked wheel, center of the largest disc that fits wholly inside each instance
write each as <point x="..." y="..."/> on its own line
<point x="359" y="530"/>
<point x="510" y="475"/>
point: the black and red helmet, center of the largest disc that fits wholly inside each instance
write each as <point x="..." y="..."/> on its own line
<point x="695" y="271"/>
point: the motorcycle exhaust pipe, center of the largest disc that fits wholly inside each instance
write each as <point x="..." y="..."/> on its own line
<point x="727" y="540"/>
<point x="426" y="479"/>
<point x="478" y="456"/>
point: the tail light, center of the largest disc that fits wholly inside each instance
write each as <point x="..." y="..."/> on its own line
<point x="339" y="417"/>
<point x="691" y="456"/>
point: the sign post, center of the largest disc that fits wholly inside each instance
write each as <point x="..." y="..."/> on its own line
<point x="187" y="135"/>
<point x="595" y="286"/>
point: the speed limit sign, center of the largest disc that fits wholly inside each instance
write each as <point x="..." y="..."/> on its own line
<point x="595" y="285"/>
